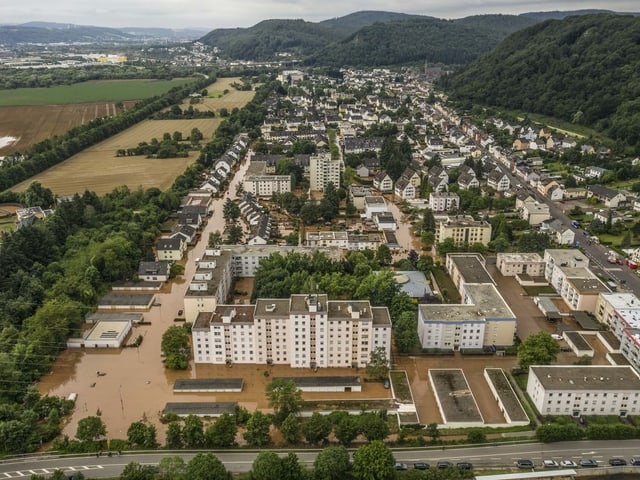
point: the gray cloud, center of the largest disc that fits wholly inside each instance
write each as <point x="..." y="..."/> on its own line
<point x="244" y="13"/>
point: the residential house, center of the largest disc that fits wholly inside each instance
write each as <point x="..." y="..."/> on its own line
<point x="498" y="180"/>
<point x="545" y="185"/>
<point x="535" y="213"/>
<point x="188" y="233"/>
<point x="467" y="181"/>
<point x="443" y="201"/>
<point x="404" y="189"/>
<point x="594" y="172"/>
<point x="610" y="198"/>
<point x="558" y="231"/>
<point x="170" y="248"/>
<point x="154" y="271"/>
<point x="383" y="182"/>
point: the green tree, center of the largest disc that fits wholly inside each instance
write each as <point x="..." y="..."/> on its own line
<point x="142" y="435"/>
<point x="206" y="466"/>
<point x="383" y="255"/>
<point x="222" y="433"/>
<point x="257" y="432"/>
<point x="433" y="432"/>
<point x="317" y="428"/>
<point x="234" y="234"/>
<point x="192" y="432"/>
<point x="373" y="461"/>
<point x="291" y="429"/>
<point x="136" y="471"/>
<point x="373" y="427"/>
<point x="267" y="466"/>
<point x="284" y="397"/>
<point x="215" y="239"/>
<point x="174" y="436"/>
<point x="537" y="349"/>
<point x="378" y="366"/>
<point x="230" y="210"/>
<point x="332" y="463"/>
<point x="172" y="468"/>
<point x="292" y="468"/>
<point x="475" y="435"/>
<point x="406" y="332"/>
<point x="176" y="347"/>
<point x="347" y="428"/>
<point x="91" y="429"/>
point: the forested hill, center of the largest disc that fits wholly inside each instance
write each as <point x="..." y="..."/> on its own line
<point x="265" y="40"/>
<point x="419" y="40"/>
<point x="369" y="39"/>
<point x="584" y="69"/>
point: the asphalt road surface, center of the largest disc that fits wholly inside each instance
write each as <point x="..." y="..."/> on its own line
<point x="241" y="460"/>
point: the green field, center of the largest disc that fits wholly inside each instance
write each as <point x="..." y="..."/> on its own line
<point x="88" y="92"/>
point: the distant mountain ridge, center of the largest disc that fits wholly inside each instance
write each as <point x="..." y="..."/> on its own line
<point x="52" y="32"/>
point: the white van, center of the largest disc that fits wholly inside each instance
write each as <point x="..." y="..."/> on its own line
<point x="72" y="397"/>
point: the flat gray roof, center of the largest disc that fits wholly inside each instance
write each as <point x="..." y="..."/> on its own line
<point x="211" y="384"/>
<point x="455" y="396"/>
<point x="471" y="268"/>
<point x="106" y="317"/>
<point x="138" y="299"/>
<point x="201" y="409"/>
<point x="578" y="340"/>
<point x="597" y="377"/>
<point x="329" y="381"/>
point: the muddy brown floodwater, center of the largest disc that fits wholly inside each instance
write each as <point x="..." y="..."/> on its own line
<point x="136" y="385"/>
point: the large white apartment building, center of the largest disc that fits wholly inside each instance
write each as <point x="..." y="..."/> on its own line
<point x="483" y="319"/>
<point x="584" y="390"/>
<point x="621" y="312"/>
<point x="324" y="170"/>
<point x="568" y="273"/>
<point x="304" y="331"/>
<point x="513" y="264"/>
<point x="443" y="201"/>
<point x="257" y="182"/>
<point x="463" y="231"/>
<point x="327" y="239"/>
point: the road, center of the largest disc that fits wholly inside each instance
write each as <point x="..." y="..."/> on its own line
<point x="241" y="460"/>
<point x="597" y="254"/>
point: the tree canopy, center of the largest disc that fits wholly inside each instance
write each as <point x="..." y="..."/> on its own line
<point x="537" y="349"/>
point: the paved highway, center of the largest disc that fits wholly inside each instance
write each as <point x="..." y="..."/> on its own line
<point x="241" y="460"/>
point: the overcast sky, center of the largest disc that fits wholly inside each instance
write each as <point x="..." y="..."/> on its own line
<point x="211" y="14"/>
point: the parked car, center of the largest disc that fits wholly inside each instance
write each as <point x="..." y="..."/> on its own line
<point x="444" y="464"/>
<point x="421" y="466"/>
<point x="524" y="463"/>
<point x="635" y="461"/>
<point x="549" y="463"/>
<point x="568" y="463"/>
<point x="464" y="466"/>
<point x="386" y="383"/>
<point x="588" y="463"/>
<point x="401" y="466"/>
<point x="555" y="336"/>
<point x="617" y="462"/>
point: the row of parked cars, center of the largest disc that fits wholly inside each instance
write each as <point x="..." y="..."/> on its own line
<point x="584" y="463"/>
<point x="442" y="464"/>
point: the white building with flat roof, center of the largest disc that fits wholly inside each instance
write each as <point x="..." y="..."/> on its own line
<point x="483" y="319"/>
<point x="584" y="390"/>
<point x="512" y="264"/>
<point x="303" y="331"/>
<point x="374" y="204"/>
<point x="443" y="201"/>
<point x="324" y="170"/>
<point x="327" y="239"/>
<point x="621" y="312"/>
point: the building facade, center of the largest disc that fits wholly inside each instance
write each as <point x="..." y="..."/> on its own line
<point x="324" y="170"/>
<point x="584" y="390"/>
<point x="304" y="331"/>
<point x="463" y="231"/>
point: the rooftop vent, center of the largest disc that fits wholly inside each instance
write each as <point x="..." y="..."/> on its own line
<point x="270" y="308"/>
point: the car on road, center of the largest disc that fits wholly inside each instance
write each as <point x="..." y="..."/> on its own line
<point x="635" y="461"/>
<point x="617" y="462"/>
<point x="444" y="464"/>
<point x="555" y="336"/>
<point x="401" y="466"/>
<point x="421" y="466"/>
<point x="524" y="463"/>
<point x="464" y="466"/>
<point x="549" y="463"/>
<point x="568" y="463"/>
<point x="588" y="463"/>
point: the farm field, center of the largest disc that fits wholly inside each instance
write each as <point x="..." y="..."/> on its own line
<point x="32" y="124"/>
<point x="98" y="169"/>
<point x="89" y="92"/>
<point x="216" y="100"/>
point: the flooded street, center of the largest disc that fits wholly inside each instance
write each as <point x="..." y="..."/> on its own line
<point x="404" y="235"/>
<point x="136" y="383"/>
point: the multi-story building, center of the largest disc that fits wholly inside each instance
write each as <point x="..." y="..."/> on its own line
<point x="568" y="273"/>
<point x="621" y="312"/>
<point x="584" y="390"/>
<point x="483" y="319"/>
<point x="463" y="231"/>
<point x="324" y="170"/>
<point x="210" y="284"/>
<point x="535" y="213"/>
<point x="257" y="182"/>
<point x="443" y="201"/>
<point x="327" y="239"/>
<point x="465" y="268"/>
<point x="512" y="264"/>
<point x="374" y="204"/>
<point x="304" y="331"/>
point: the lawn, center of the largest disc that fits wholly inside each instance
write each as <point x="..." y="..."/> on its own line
<point x="447" y="287"/>
<point x="87" y="92"/>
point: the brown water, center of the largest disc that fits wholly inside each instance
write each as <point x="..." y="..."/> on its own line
<point x="136" y="383"/>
